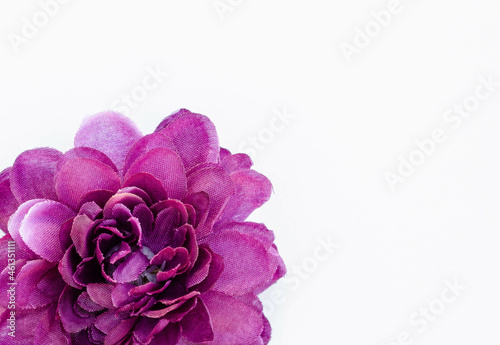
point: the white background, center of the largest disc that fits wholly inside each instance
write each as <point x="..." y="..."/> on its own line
<point x="328" y="164"/>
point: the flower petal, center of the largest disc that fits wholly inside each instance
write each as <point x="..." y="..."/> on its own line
<point x="193" y="135"/>
<point x="80" y="176"/>
<point x="41" y="226"/>
<point x="146" y="144"/>
<point x="109" y="132"/>
<point x="8" y="202"/>
<point x="252" y="190"/>
<point x="217" y="183"/>
<point x="32" y="175"/>
<point x="197" y="325"/>
<point x="71" y="321"/>
<point x="15" y="224"/>
<point x="148" y="183"/>
<point x="131" y="268"/>
<point x="168" y="336"/>
<point x="234" y="322"/>
<point x="165" y="165"/>
<point x="247" y="264"/>
<point x="236" y="162"/>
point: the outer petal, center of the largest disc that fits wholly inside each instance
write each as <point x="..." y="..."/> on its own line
<point x="15" y="224"/>
<point x="197" y="324"/>
<point x="8" y="203"/>
<point x="145" y="144"/>
<point x="166" y="166"/>
<point x="32" y="175"/>
<point x="85" y="152"/>
<point x="252" y="190"/>
<point x="41" y="226"/>
<point x="81" y="176"/>
<point x="193" y="135"/>
<point x="111" y="133"/>
<point x="71" y="321"/>
<point x="234" y="322"/>
<point x="247" y="264"/>
<point x="218" y="185"/>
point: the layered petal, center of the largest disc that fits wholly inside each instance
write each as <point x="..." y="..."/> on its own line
<point x="111" y="133"/>
<point x="8" y="202"/>
<point x="193" y="135"/>
<point x="32" y="175"/>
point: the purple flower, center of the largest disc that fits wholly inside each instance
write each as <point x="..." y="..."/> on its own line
<point x="131" y="239"/>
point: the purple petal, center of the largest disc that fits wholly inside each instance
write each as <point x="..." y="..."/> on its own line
<point x="216" y="182"/>
<point x="197" y="324"/>
<point x="252" y="190"/>
<point x="80" y="176"/>
<point x="131" y="268"/>
<point x="85" y="302"/>
<point x="168" y="336"/>
<point x="41" y="226"/>
<point x="148" y="183"/>
<point x="145" y="144"/>
<point x="201" y="204"/>
<point x="67" y="267"/>
<point x="201" y="268"/>
<point x="236" y="162"/>
<point x="100" y="293"/>
<point x="121" y="333"/>
<point x="27" y="325"/>
<point x="234" y="322"/>
<point x="193" y="135"/>
<point x="247" y="264"/>
<point x="15" y="224"/>
<point x="71" y="321"/>
<point x="146" y="328"/>
<point x="85" y="152"/>
<point x="109" y="132"/>
<point x="8" y="203"/>
<point x="166" y="166"/>
<point x="32" y="176"/>
<point x="81" y="234"/>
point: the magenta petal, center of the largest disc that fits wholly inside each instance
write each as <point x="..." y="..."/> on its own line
<point x="252" y="190"/>
<point x="81" y="234"/>
<point x="149" y="184"/>
<point x="236" y="162"/>
<point x="8" y="203"/>
<point x="217" y="183"/>
<point x="71" y="321"/>
<point x="234" y="322"/>
<point x="15" y="224"/>
<point x="145" y="144"/>
<point x="41" y="226"/>
<point x="247" y="264"/>
<point x="166" y="166"/>
<point x="111" y="133"/>
<point x="100" y="293"/>
<point x="193" y="135"/>
<point x="32" y="176"/>
<point x="131" y="268"/>
<point x="121" y="333"/>
<point x="27" y="325"/>
<point x="81" y="176"/>
<point x="168" y="336"/>
<point x="197" y="325"/>
<point x="85" y="152"/>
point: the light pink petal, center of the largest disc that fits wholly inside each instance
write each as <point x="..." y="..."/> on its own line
<point x="15" y="224"/>
<point x="111" y="133"/>
<point x="32" y="175"/>
<point x="80" y="176"/>
<point x="234" y="322"/>
<point x="166" y="166"/>
<point x="41" y="226"/>
<point x="193" y="135"/>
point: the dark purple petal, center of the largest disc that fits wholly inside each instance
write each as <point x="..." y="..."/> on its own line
<point x="197" y="324"/>
<point x="49" y="330"/>
<point x="85" y="302"/>
<point x="233" y="321"/>
<point x="252" y="190"/>
<point x="247" y="264"/>
<point x="201" y="268"/>
<point x="68" y="265"/>
<point x="166" y="166"/>
<point x="8" y="203"/>
<point x="147" y="328"/>
<point x="111" y="133"/>
<point x="214" y="272"/>
<point x="32" y="175"/>
<point x="109" y="320"/>
<point x="168" y="336"/>
<point x="121" y="332"/>
<point x="148" y="183"/>
<point x="85" y="152"/>
<point x="80" y="176"/>
<point x="41" y="226"/>
<point x="126" y="199"/>
<point x="201" y="204"/>
<point x="193" y="135"/>
<point x="71" y="321"/>
<point x="131" y="268"/>
<point x="217" y="183"/>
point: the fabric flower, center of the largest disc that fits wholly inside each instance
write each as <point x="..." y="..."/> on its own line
<point x="132" y="239"/>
